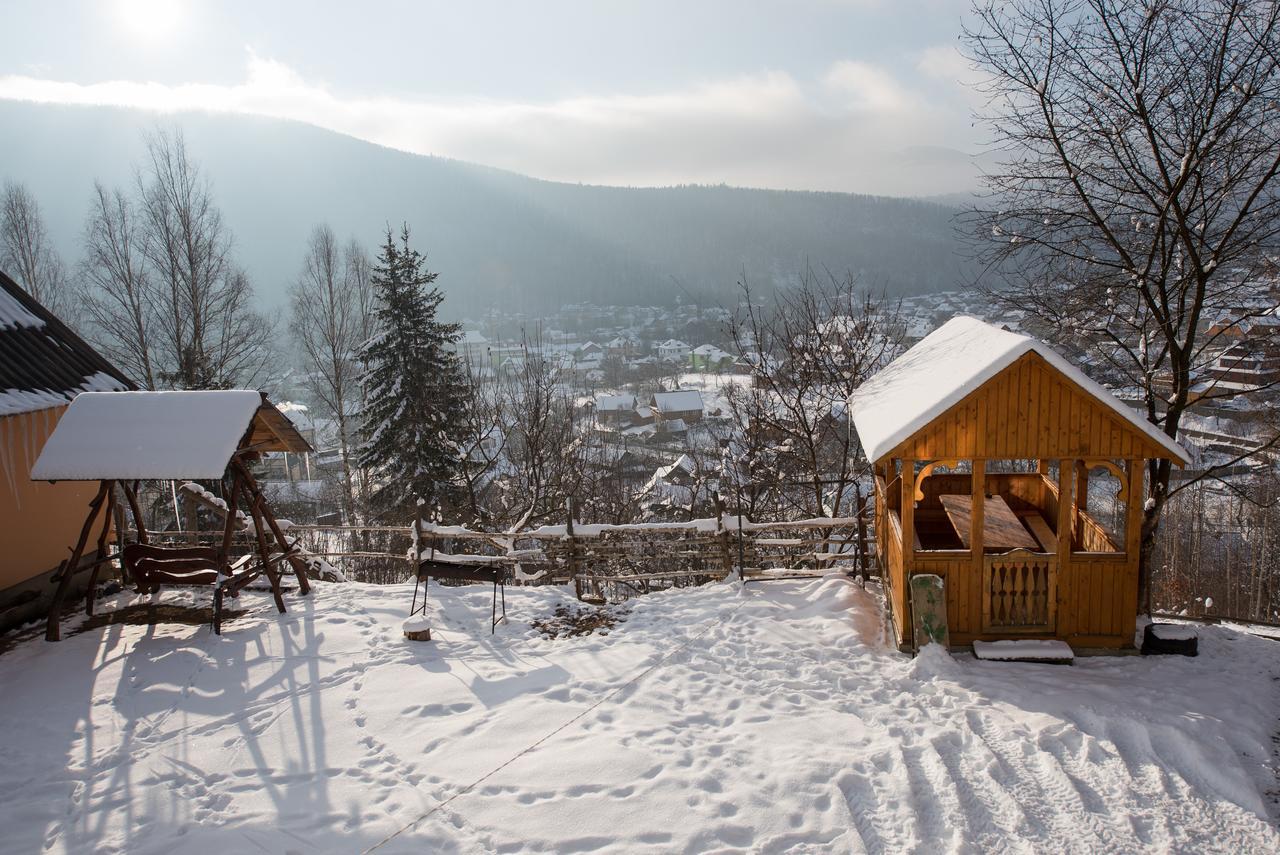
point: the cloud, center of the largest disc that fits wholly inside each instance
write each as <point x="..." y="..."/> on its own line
<point x="855" y="128"/>
<point x="866" y="87"/>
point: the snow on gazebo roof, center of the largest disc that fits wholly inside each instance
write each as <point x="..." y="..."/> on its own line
<point x="164" y="435"/>
<point x="948" y="364"/>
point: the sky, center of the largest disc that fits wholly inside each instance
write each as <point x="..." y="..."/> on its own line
<point x="855" y="95"/>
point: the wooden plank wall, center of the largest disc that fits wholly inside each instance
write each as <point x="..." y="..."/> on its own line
<point x="1029" y="410"/>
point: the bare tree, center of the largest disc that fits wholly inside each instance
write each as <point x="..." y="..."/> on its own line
<point x="26" y="253"/>
<point x="207" y="333"/>
<point x="118" y="298"/>
<point x="809" y="351"/>
<point x="543" y="445"/>
<point x="1137" y="194"/>
<point x="359" y="269"/>
<point x="329" y="331"/>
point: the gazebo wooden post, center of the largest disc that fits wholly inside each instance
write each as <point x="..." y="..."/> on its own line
<point x="53" y="630"/>
<point x="1066" y="511"/>
<point x="978" y="500"/>
<point x="1082" y="485"/>
<point x="1135" y="500"/>
<point x="102" y="546"/>
<point x="908" y="515"/>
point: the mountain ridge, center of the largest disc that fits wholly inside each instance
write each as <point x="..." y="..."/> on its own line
<point x="495" y="236"/>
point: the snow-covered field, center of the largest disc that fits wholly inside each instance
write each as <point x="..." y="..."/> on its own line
<point x="715" y="719"/>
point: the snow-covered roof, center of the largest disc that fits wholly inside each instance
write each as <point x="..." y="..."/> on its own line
<point x="133" y="435"/>
<point x="678" y="401"/>
<point x="43" y="363"/>
<point x="614" y="403"/>
<point x="947" y="365"/>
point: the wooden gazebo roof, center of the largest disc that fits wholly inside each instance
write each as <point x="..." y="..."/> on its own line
<point x="973" y="390"/>
<point x="162" y="435"/>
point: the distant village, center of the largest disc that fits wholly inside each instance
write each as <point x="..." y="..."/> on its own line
<point x="649" y="384"/>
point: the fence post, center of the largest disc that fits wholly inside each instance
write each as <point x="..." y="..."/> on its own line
<point x="572" y="548"/>
<point x="722" y="534"/>
<point x="417" y="539"/>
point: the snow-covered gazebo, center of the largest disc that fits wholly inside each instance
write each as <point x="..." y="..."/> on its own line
<point x="122" y="438"/>
<point x="1008" y="526"/>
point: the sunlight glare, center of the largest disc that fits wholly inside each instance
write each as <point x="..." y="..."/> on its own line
<point x="149" y="20"/>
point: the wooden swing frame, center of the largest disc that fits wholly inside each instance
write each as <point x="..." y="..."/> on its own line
<point x="149" y="567"/>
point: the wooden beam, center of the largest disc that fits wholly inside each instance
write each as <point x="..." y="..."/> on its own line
<point x="131" y="496"/>
<point x="53" y="629"/>
<point x="264" y="509"/>
<point x="1066" y="509"/>
<point x="978" y="494"/>
<point x="102" y="546"/>
<point x="1133" y="508"/>
<point x="908" y="515"/>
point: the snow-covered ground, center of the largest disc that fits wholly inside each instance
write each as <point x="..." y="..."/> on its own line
<point x="768" y="719"/>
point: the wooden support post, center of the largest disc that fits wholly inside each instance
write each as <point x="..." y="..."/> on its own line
<point x="264" y="510"/>
<point x="978" y="499"/>
<point x="102" y="547"/>
<point x="1066" y="511"/>
<point x="191" y="517"/>
<point x="131" y="496"/>
<point x="722" y="534"/>
<point x="1082" y="486"/>
<point x="1136" y="498"/>
<point x="53" y="630"/>
<point x="264" y="551"/>
<point x="229" y="523"/>
<point x="118" y="521"/>
<point x="572" y="548"/>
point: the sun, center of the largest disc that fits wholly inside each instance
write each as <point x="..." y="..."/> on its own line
<point x="150" y="20"/>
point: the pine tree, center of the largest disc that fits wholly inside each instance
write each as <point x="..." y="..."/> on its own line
<point x="414" y="386"/>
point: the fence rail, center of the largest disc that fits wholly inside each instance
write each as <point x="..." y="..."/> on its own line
<point x="604" y="561"/>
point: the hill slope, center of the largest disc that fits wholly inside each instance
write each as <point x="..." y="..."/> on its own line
<point x="496" y="237"/>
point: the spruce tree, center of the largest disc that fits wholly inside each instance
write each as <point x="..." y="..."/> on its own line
<point x="414" y="386"/>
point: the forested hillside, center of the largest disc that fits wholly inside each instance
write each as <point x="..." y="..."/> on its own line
<point x="495" y="236"/>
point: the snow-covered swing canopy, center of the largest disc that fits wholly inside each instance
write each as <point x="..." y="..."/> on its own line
<point x="1019" y="551"/>
<point x="122" y="438"/>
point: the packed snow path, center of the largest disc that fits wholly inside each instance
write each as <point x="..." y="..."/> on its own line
<point x="779" y="722"/>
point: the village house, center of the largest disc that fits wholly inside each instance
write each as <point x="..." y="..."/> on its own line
<point x="683" y="405"/>
<point x="708" y="357"/>
<point x="43" y="366"/>
<point x="674" y="350"/>
<point x="615" y="410"/>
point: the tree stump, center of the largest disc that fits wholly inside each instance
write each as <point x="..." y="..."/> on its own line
<point x="416" y="628"/>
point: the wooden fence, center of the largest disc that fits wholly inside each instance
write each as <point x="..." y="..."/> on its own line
<point x="604" y="562"/>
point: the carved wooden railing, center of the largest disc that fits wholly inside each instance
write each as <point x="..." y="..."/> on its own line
<point x="1020" y="591"/>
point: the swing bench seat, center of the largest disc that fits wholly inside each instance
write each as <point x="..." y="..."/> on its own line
<point x="150" y="567"/>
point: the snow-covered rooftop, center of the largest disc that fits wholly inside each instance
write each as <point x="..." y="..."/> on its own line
<point x="947" y="365"/>
<point x="132" y="435"/>
<point x="614" y="403"/>
<point x="678" y="401"/>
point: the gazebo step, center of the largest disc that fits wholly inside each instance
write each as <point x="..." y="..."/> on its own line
<point x="1046" y="650"/>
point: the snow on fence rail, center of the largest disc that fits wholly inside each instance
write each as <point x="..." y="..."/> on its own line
<point x="605" y="561"/>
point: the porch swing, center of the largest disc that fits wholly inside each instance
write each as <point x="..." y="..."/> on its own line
<point x="121" y="438"/>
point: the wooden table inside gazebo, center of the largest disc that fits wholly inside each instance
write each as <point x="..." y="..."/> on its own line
<point x="1001" y="528"/>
